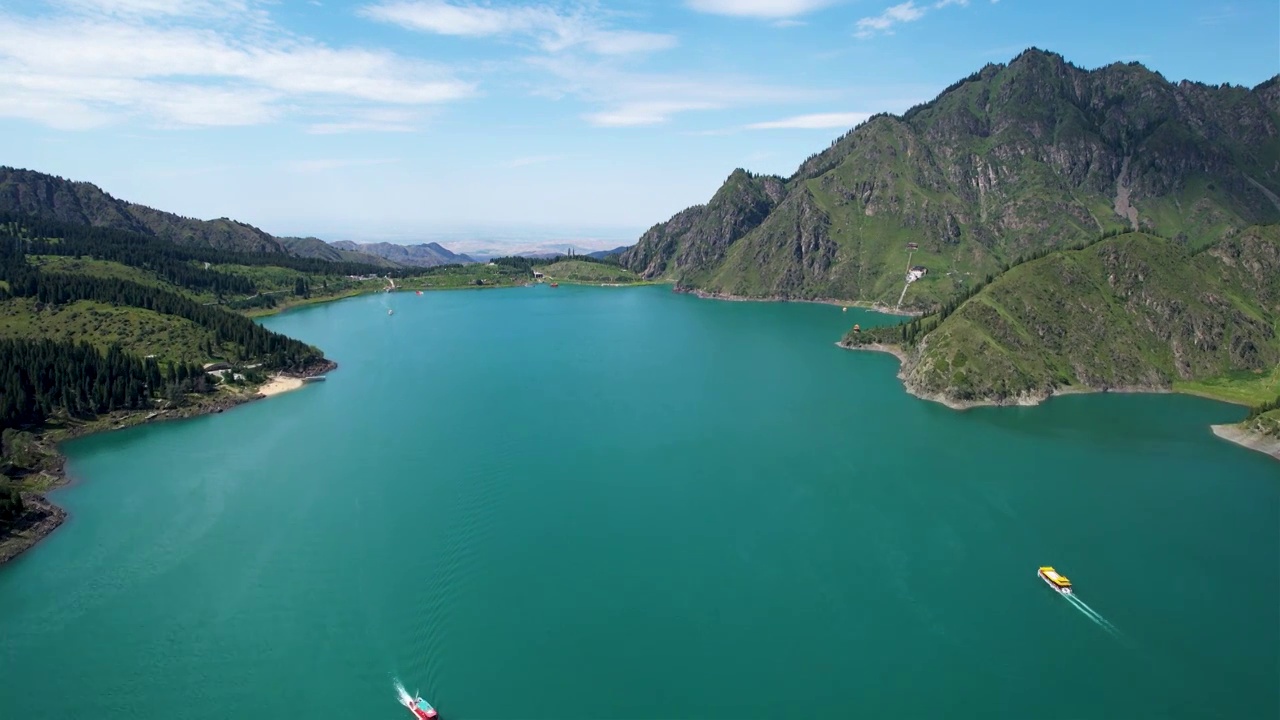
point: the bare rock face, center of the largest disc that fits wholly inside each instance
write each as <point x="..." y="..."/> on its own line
<point x="698" y="237"/>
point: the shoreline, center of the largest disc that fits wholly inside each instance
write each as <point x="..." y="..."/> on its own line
<point x="1233" y="433"/>
<point x="40" y="520"/>
<point x="1265" y="444"/>
<point x="279" y="383"/>
<point x="43" y="516"/>
<point x="1030" y="399"/>
<point x="861" y="304"/>
<point x="309" y="302"/>
<point x="594" y="283"/>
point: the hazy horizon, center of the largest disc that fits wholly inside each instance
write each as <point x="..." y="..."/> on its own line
<point x="482" y="239"/>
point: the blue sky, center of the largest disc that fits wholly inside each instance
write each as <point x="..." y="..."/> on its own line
<point x="425" y="119"/>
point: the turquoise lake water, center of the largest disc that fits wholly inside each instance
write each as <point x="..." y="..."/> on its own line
<point x="589" y="503"/>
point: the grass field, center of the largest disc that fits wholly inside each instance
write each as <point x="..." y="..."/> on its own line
<point x="1242" y="388"/>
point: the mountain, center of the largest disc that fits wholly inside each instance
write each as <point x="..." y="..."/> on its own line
<point x="54" y="198"/>
<point x="1015" y="158"/>
<point x="602" y="254"/>
<point x="425" y="255"/>
<point x="1133" y="311"/>
<point x="313" y="247"/>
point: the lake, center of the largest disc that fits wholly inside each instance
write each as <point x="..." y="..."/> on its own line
<point x="583" y="503"/>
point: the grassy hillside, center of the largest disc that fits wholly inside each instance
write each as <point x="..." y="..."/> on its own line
<point x="46" y="196"/>
<point x="1267" y="424"/>
<point x="1243" y="387"/>
<point x="139" y="332"/>
<point x="1010" y="161"/>
<point x="1130" y="311"/>
<point x="588" y="272"/>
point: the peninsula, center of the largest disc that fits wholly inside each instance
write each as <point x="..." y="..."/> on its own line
<point x="1133" y="312"/>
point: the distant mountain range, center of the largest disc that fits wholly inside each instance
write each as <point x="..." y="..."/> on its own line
<point x="312" y="247"/>
<point x="602" y="254"/>
<point x="424" y="255"/>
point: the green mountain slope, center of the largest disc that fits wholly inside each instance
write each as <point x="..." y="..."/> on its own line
<point x="38" y="195"/>
<point x="1034" y="154"/>
<point x="46" y="196"/>
<point x="1134" y="311"/>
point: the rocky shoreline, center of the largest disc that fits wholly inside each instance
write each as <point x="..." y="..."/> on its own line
<point x="42" y="517"/>
<point x="1244" y="437"/>
<point x="705" y="295"/>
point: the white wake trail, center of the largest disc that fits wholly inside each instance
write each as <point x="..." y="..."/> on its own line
<point x="1092" y="614"/>
<point x="401" y="694"/>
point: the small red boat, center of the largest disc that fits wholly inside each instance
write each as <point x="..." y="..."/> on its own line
<point x="555" y="284"/>
<point x="420" y="708"/>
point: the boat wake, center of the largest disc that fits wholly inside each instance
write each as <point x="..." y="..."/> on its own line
<point x="1092" y="614"/>
<point x="403" y="695"/>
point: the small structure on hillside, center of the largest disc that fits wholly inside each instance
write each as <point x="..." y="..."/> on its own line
<point x="216" y="366"/>
<point x="913" y="246"/>
<point x="536" y="274"/>
<point x="916" y="272"/>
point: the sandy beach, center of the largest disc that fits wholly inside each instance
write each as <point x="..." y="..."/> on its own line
<point x="279" y="384"/>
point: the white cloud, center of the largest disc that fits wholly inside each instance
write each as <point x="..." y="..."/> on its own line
<point x="645" y="113"/>
<point x="83" y="69"/>
<point x="531" y="160"/>
<point x="315" y="166"/>
<point x="767" y="9"/>
<point x="186" y="8"/>
<point x="817" y="121"/>
<point x="629" y="99"/>
<point x="553" y="30"/>
<point x="369" y="120"/>
<point x="902" y="13"/>
<point x="906" y="12"/>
